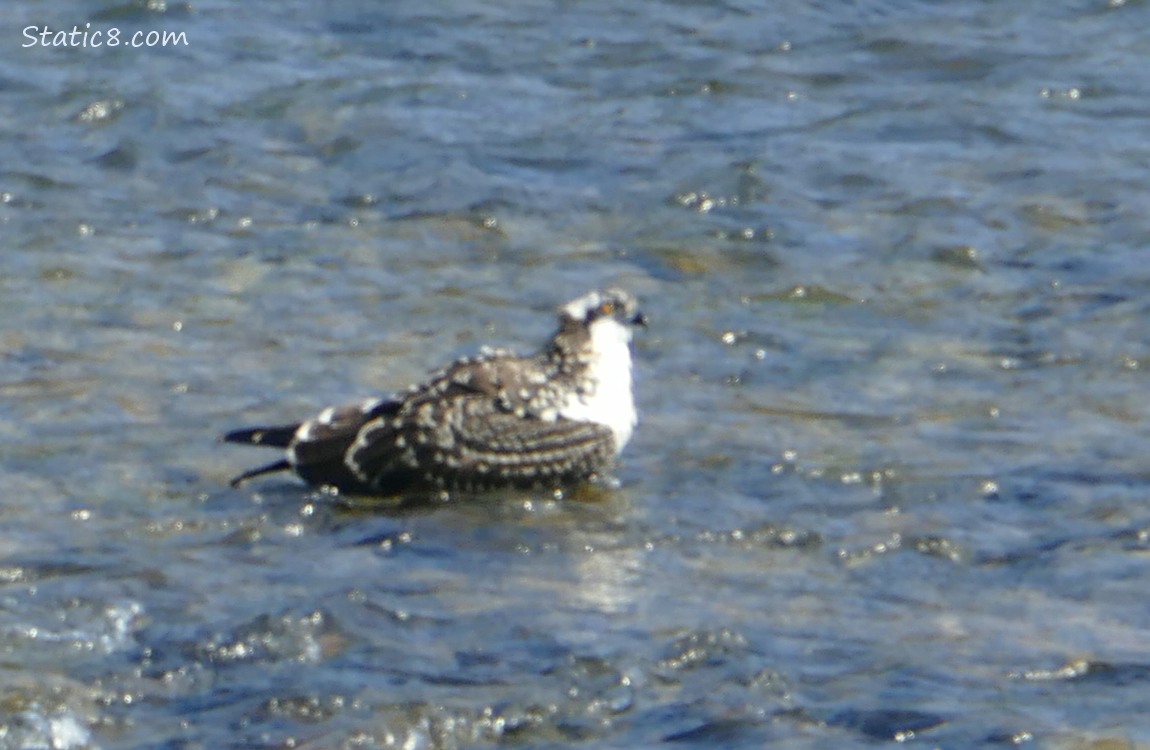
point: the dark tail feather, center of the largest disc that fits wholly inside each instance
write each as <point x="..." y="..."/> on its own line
<point x="273" y="437"/>
<point x="260" y="471"/>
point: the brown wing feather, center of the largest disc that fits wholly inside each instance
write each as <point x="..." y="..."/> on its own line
<point x="509" y="448"/>
<point x="470" y="441"/>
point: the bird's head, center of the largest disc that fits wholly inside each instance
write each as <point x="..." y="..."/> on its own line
<point x="615" y="305"/>
<point x="597" y="322"/>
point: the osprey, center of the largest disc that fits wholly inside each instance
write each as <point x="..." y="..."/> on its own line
<point x="556" y="418"/>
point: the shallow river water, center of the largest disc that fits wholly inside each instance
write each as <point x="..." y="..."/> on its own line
<point x="890" y="482"/>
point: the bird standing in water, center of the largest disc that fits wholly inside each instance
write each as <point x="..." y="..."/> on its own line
<point x="552" y="419"/>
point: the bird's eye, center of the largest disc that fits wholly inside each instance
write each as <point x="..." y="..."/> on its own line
<point x="607" y="308"/>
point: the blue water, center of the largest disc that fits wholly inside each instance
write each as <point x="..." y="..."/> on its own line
<point x="889" y="482"/>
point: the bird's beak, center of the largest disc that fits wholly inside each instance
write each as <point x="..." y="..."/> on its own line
<point x="639" y="320"/>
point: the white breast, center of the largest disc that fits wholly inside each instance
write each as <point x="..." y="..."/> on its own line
<point x="607" y="398"/>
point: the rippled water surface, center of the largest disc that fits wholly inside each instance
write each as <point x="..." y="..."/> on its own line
<point x="890" y="482"/>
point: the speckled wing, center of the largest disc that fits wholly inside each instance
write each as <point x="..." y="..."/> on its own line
<point x="481" y="423"/>
<point x="473" y="444"/>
